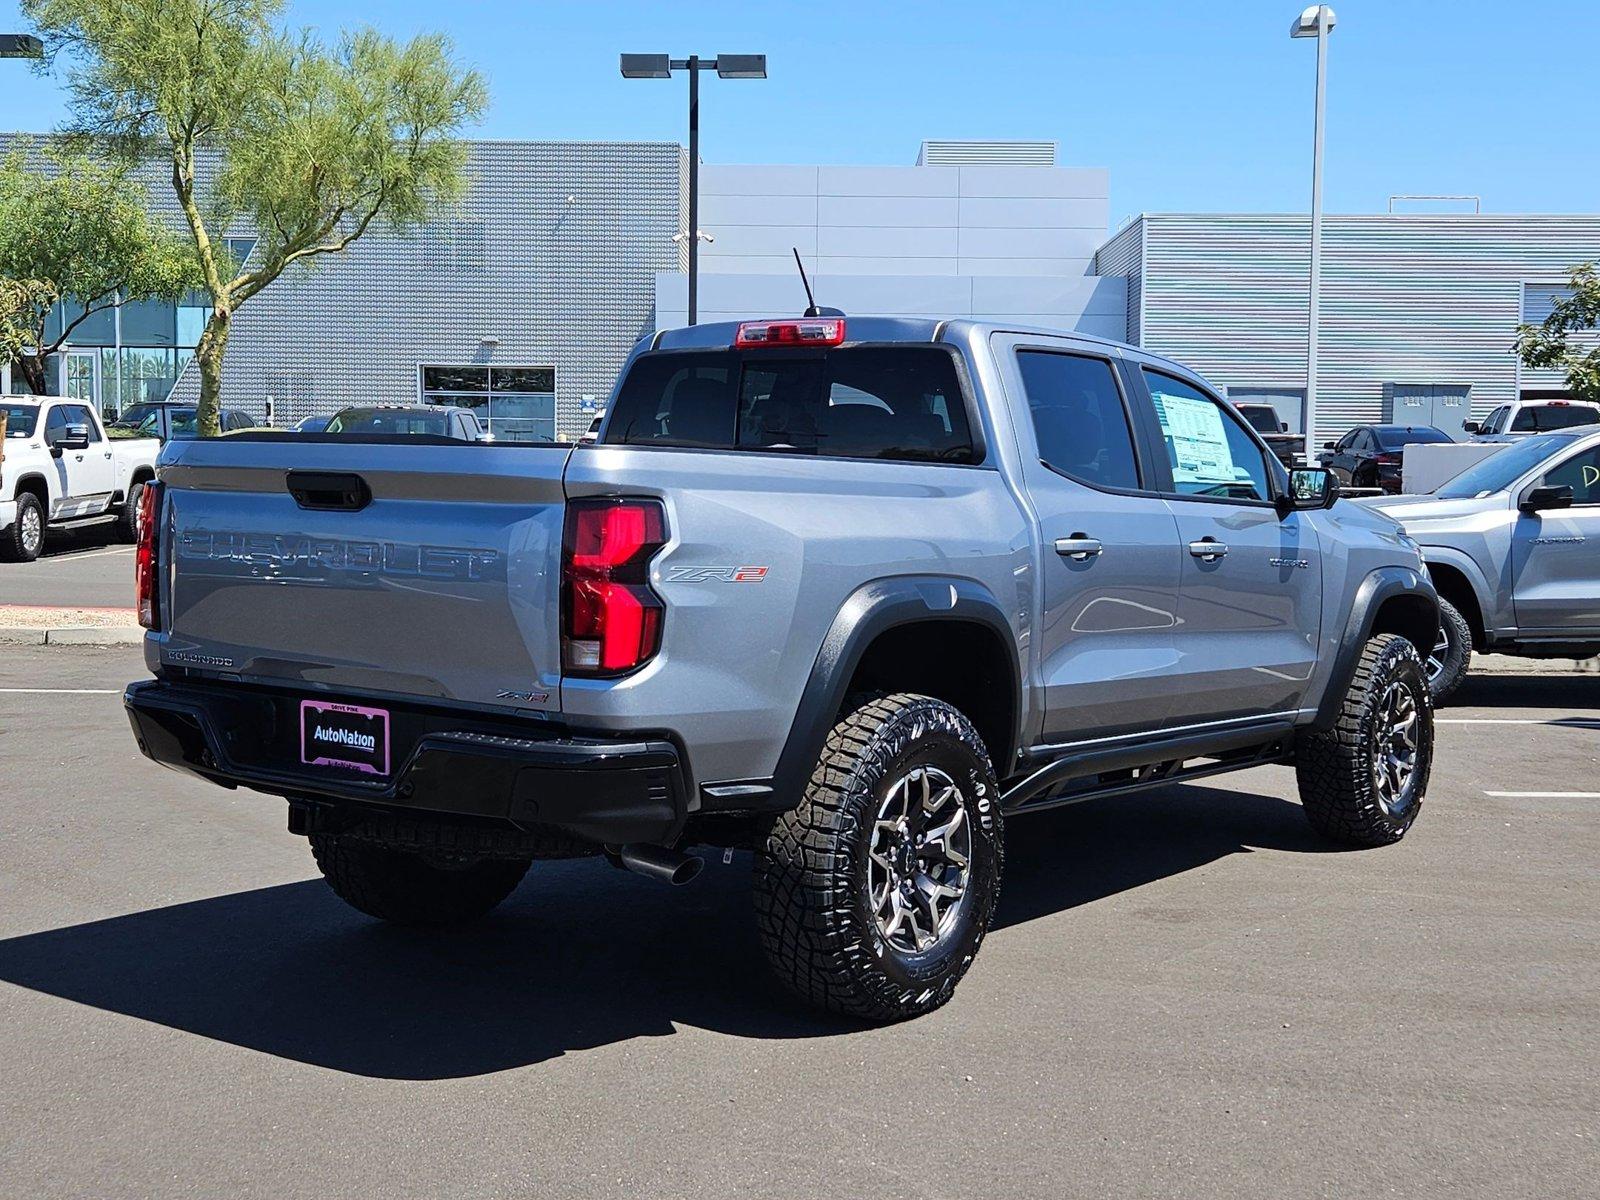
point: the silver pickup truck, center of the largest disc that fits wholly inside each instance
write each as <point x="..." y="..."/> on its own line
<point x="1511" y="546"/>
<point x="851" y="593"/>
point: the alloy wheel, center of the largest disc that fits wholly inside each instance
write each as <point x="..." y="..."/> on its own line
<point x="1438" y="656"/>
<point x="32" y="530"/>
<point x="918" y="861"/>
<point x="1394" y="748"/>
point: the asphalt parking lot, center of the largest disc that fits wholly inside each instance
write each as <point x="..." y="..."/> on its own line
<point x="86" y="567"/>
<point x="1188" y="994"/>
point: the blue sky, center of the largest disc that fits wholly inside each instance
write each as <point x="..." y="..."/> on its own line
<point x="1197" y="106"/>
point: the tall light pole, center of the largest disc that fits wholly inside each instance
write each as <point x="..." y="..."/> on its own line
<point x="661" y="66"/>
<point x="1316" y="21"/>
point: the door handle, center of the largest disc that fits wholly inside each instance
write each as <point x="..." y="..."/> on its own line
<point x="1208" y="549"/>
<point x="1079" y="547"/>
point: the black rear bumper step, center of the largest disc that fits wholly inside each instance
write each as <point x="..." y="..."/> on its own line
<point x="598" y="789"/>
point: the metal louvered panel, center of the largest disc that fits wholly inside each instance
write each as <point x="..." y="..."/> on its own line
<point x="1413" y="299"/>
<point x="1123" y="256"/>
<point x="986" y="154"/>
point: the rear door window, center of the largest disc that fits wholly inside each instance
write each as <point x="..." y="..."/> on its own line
<point x="895" y="402"/>
<point x="1079" y="420"/>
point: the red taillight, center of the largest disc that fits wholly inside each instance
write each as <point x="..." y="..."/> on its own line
<point x="611" y="618"/>
<point x="809" y="331"/>
<point x="1388" y="459"/>
<point x="146" y="564"/>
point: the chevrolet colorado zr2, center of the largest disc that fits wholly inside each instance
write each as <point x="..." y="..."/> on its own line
<point x="852" y="593"/>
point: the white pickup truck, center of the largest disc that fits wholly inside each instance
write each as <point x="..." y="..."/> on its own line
<point x="58" y="467"/>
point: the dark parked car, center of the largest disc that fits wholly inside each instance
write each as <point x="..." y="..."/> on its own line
<point x="1274" y="431"/>
<point x="1372" y="455"/>
<point x="313" y="424"/>
<point x="167" y="421"/>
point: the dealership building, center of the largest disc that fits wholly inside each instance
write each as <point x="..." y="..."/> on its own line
<point x="523" y="301"/>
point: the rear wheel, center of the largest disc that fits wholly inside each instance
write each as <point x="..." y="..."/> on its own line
<point x="25" y="539"/>
<point x="1451" y="655"/>
<point x="875" y="892"/>
<point x="410" y="888"/>
<point x="1362" y="781"/>
<point x="128" y="518"/>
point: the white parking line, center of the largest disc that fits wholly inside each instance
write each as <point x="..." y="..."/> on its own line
<point x="1544" y="795"/>
<point x="1569" y="722"/>
<point x="80" y="555"/>
<point x="60" y="691"/>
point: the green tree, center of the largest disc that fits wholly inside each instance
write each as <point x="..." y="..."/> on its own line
<point x="1548" y="344"/>
<point x="307" y="145"/>
<point x="74" y="228"/>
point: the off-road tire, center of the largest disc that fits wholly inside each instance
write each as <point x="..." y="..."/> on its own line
<point x="409" y="888"/>
<point x="128" y="517"/>
<point x="13" y="547"/>
<point x="816" y="921"/>
<point x="1456" y="656"/>
<point x="1334" y="768"/>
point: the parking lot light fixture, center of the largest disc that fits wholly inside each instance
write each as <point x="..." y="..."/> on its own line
<point x="1315" y="21"/>
<point x="661" y="66"/>
<point x="20" y="45"/>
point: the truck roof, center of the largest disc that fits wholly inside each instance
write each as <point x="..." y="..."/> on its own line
<point x="868" y="328"/>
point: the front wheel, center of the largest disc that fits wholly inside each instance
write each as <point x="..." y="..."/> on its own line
<point x="25" y="539"/>
<point x="1362" y="781"/>
<point x="409" y="888"/>
<point x="874" y="893"/>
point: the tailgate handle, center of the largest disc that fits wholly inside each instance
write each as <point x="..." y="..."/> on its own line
<point x="330" y="491"/>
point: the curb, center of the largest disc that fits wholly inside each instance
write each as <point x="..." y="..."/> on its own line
<point x="1510" y="664"/>
<point x="71" y="635"/>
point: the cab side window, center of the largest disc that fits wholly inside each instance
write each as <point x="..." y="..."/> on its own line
<point x="1581" y="473"/>
<point x="1210" y="452"/>
<point x="1079" y="420"/>
<point x="55" y="424"/>
<point x="77" y="414"/>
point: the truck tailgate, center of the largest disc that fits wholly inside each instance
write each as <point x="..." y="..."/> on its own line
<point x="442" y="585"/>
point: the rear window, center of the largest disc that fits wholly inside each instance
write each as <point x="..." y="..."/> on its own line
<point x="20" y="419"/>
<point x="1394" y="439"/>
<point x="898" y="402"/>
<point x="1554" y="416"/>
<point x="1260" y="417"/>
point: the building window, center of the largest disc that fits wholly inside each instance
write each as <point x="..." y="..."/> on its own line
<point x="515" y="404"/>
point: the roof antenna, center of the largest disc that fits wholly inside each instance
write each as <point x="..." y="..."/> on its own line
<point x="812" y="310"/>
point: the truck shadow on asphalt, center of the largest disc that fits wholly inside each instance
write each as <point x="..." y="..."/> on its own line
<point x="581" y="956"/>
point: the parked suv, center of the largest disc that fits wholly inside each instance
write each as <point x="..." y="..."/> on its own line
<point x="1523" y="418"/>
<point x="854" y="594"/>
<point x="1510" y="543"/>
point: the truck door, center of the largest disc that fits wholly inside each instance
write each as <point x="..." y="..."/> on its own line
<point x="1103" y="634"/>
<point x="83" y="476"/>
<point x="1250" y="587"/>
<point x="1555" y="567"/>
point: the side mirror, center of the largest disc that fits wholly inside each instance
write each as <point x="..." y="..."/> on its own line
<point x="1309" y="488"/>
<point x="74" y="437"/>
<point x="1549" y="496"/>
<point x="1330" y="445"/>
<point x="1283" y="427"/>
<point x="1471" y="427"/>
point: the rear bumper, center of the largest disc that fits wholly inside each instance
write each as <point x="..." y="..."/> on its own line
<point x="598" y="789"/>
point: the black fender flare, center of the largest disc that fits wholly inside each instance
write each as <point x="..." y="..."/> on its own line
<point x="1372" y="593"/>
<point x="869" y="611"/>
